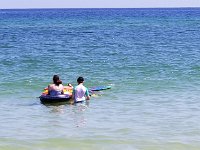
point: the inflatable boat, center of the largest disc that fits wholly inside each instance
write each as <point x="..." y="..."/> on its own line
<point x="46" y="98"/>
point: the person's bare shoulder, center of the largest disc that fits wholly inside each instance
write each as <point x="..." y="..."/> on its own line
<point x="50" y="86"/>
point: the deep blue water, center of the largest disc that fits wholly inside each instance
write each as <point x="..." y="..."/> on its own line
<point x="150" y="57"/>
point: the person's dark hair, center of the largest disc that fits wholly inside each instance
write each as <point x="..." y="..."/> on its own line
<point x="56" y="80"/>
<point x="80" y="79"/>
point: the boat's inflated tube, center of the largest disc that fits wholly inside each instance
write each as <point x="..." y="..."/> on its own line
<point x="51" y="99"/>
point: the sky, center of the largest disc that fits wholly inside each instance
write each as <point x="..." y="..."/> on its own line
<point x="97" y="3"/>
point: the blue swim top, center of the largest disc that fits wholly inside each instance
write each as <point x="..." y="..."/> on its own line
<point x="55" y="92"/>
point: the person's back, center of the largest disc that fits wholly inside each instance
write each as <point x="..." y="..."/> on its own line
<point x="80" y="92"/>
<point x="56" y="88"/>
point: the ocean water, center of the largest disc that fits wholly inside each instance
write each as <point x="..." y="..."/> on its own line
<point x="150" y="57"/>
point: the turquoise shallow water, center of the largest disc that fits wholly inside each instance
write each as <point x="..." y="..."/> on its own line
<point x="150" y="57"/>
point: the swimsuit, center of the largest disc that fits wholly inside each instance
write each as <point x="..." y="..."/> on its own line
<point x="55" y="92"/>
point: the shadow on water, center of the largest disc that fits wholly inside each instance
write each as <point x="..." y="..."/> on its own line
<point x="47" y="104"/>
<point x="55" y="103"/>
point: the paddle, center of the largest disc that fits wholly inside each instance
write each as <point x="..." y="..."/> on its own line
<point x="99" y="88"/>
<point x="94" y="89"/>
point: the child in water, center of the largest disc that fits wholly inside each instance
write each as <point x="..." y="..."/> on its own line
<point x="80" y="92"/>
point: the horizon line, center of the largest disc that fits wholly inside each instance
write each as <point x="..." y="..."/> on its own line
<point x="100" y="8"/>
